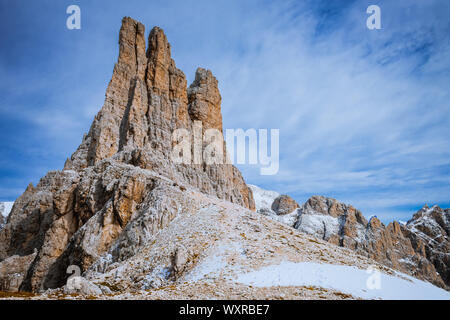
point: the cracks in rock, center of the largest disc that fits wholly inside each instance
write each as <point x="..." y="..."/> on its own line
<point x="342" y="220"/>
<point x="125" y="123"/>
<point x="324" y="231"/>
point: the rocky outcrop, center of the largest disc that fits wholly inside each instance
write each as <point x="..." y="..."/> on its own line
<point x="13" y="270"/>
<point x="121" y="185"/>
<point x="429" y="233"/>
<point x="179" y="261"/>
<point x="332" y="221"/>
<point x="278" y="207"/>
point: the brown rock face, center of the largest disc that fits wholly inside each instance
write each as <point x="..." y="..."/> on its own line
<point x="120" y="186"/>
<point x="13" y="271"/>
<point x="284" y="205"/>
<point x="420" y="248"/>
<point x="429" y="233"/>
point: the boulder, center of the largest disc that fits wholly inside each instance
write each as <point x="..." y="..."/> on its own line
<point x="284" y="204"/>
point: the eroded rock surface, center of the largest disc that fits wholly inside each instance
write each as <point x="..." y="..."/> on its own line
<point x="429" y="233"/>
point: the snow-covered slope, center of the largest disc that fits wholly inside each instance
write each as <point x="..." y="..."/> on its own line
<point x="220" y="250"/>
<point x="263" y="198"/>
<point x="367" y="284"/>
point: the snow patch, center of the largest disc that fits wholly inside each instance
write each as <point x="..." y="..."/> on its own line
<point x="346" y="279"/>
<point x="210" y="265"/>
<point x="5" y="208"/>
<point x="263" y="198"/>
<point x="215" y="263"/>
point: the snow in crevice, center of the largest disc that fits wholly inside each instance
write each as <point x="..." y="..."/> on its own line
<point x="5" y="208"/>
<point x="426" y="227"/>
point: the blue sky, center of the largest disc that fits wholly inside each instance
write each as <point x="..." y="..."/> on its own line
<point x="364" y="115"/>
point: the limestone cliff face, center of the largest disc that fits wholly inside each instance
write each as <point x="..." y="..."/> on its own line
<point x="429" y="233"/>
<point x="120" y="186"/>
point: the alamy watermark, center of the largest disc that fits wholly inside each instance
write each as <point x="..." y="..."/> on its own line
<point x="374" y="20"/>
<point x="373" y="282"/>
<point x="74" y="20"/>
<point x="74" y="281"/>
<point x="207" y="146"/>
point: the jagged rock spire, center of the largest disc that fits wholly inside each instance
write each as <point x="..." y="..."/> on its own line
<point x="103" y="138"/>
<point x="120" y="186"/>
<point x="205" y="100"/>
<point x="146" y="100"/>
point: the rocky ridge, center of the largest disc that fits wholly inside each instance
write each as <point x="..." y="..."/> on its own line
<point x="419" y="248"/>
